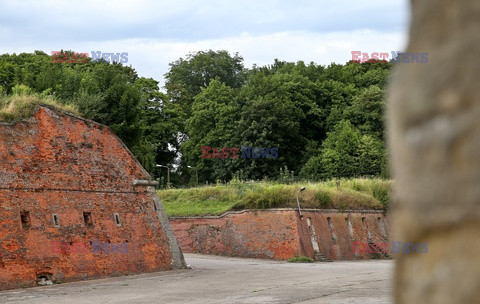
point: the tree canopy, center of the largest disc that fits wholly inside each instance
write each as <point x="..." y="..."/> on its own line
<point x="323" y="121"/>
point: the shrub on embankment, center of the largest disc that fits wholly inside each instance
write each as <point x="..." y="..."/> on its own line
<point x="334" y="194"/>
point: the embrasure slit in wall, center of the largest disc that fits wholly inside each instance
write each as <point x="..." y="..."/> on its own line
<point x="87" y="218"/>
<point x="56" y="220"/>
<point x="25" y="218"/>
<point x="117" y="219"/>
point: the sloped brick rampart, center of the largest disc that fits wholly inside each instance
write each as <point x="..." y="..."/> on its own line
<point x="281" y="233"/>
<point x="56" y="164"/>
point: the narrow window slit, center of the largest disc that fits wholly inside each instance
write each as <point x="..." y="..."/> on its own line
<point x="25" y="218"/>
<point x="117" y="219"/>
<point x="87" y="218"/>
<point x="56" y="220"/>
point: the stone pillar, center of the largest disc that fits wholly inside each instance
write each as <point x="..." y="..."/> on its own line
<point x="434" y="138"/>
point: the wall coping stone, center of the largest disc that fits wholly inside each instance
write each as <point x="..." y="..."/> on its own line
<point x="278" y="210"/>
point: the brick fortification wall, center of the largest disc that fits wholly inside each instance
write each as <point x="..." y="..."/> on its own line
<point x="55" y="163"/>
<point x="282" y="234"/>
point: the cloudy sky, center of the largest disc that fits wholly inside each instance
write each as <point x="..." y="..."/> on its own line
<point x="157" y="32"/>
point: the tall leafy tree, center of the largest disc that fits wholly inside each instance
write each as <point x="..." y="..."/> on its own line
<point x="345" y="153"/>
<point x="188" y="76"/>
<point x="327" y="121"/>
<point x="372" y="157"/>
<point x="340" y="151"/>
<point x="159" y="126"/>
<point x="272" y="117"/>
<point x="213" y="123"/>
<point x="367" y="111"/>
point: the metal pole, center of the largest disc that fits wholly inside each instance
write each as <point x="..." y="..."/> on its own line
<point x="168" y="174"/>
<point x="298" y="202"/>
<point x="168" y="178"/>
<point x="196" y="171"/>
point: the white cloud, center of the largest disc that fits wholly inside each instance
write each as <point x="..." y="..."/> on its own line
<point x="151" y="57"/>
<point x="155" y="33"/>
<point x="34" y="21"/>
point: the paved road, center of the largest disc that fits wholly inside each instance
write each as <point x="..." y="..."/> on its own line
<point x="216" y="279"/>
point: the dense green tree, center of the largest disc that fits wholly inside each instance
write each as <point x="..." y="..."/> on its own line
<point x="372" y="158"/>
<point x="272" y="116"/>
<point x="333" y="97"/>
<point x="346" y="152"/>
<point x="325" y="120"/>
<point x="213" y="123"/>
<point x="102" y="91"/>
<point x="187" y="77"/>
<point x="7" y="75"/>
<point x="367" y="111"/>
<point x="159" y="125"/>
<point x="340" y="151"/>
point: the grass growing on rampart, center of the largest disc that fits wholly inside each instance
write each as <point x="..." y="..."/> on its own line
<point x="215" y="200"/>
<point x="18" y="107"/>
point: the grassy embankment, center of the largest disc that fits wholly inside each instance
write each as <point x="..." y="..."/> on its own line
<point x="18" y="107"/>
<point x="215" y="200"/>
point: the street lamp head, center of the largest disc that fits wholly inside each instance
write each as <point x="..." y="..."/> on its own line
<point x="196" y="173"/>
<point x="303" y="188"/>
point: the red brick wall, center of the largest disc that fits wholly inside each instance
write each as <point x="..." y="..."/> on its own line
<point x="341" y="248"/>
<point x="57" y="163"/>
<point x="265" y="234"/>
<point x="279" y="234"/>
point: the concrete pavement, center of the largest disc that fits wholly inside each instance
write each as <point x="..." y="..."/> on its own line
<point x="215" y="279"/>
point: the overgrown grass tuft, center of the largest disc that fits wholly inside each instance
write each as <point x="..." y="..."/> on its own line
<point x="300" y="259"/>
<point x="215" y="200"/>
<point x="198" y="201"/>
<point x="18" y="107"/>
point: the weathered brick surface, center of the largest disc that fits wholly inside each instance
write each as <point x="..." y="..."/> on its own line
<point x="341" y="247"/>
<point x="280" y="234"/>
<point x="250" y="234"/>
<point x="57" y="163"/>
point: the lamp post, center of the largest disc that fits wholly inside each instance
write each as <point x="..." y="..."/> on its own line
<point x="298" y="202"/>
<point x="168" y="174"/>
<point x="196" y="173"/>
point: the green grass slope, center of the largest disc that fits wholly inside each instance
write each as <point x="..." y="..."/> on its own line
<point x="215" y="200"/>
